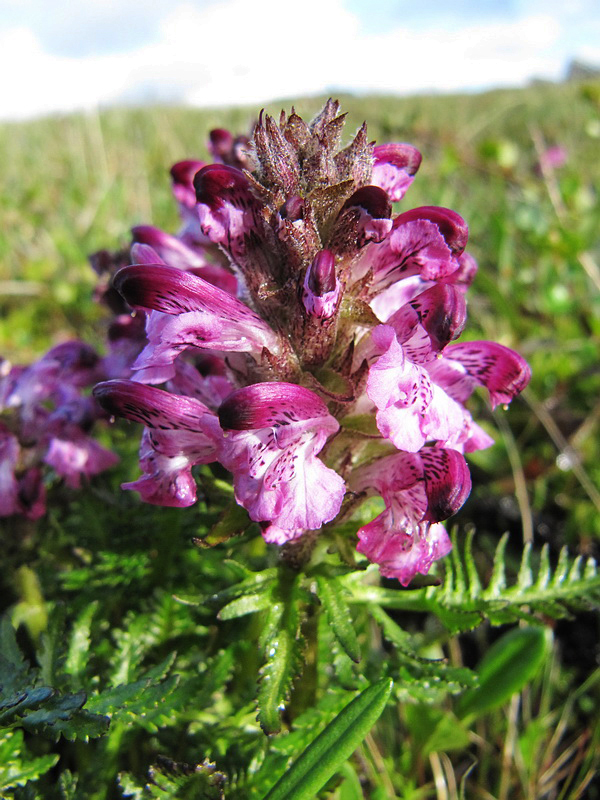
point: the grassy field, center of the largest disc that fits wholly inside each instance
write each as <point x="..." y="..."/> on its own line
<point x="72" y="185"/>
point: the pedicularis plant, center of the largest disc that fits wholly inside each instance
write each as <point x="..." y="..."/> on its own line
<point x="299" y="336"/>
<point x="315" y="364"/>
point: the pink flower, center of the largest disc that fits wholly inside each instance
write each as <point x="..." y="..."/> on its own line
<point x="328" y="307"/>
<point x="180" y="432"/>
<point x="49" y="420"/>
<point x="274" y="432"/>
<point x="419" y="490"/>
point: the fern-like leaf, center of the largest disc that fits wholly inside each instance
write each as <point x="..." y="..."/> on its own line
<point x="463" y="600"/>
<point x="282" y="645"/>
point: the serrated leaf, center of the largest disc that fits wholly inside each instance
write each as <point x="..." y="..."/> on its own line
<point x="79" y="643"/>
<point x="461" y="603"/>
<point x="68" y="785"/>
<point x="63" y="715"/>
<point x="333" y="746"/>
<point x="282" y="645"/>
<point x="331" y="594"/>
<point x="134" y="698"/>
<point x="24" y="700"/>
<point x="247" y="604"/>
<point x="257" y="581"/>
<point x="423" y="679"/>
<point x="509" y="664"/>
<point x="16" y="767"/>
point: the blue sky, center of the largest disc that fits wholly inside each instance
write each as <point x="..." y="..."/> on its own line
<point x="88" y="53"/>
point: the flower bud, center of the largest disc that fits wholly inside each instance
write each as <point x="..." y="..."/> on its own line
<point x="321" y="287"/>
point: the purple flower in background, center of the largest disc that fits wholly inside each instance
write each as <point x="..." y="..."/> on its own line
<point x="46" y="419"/>
<point x="291" y="308"/>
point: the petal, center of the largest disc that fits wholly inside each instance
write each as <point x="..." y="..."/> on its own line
<point x="167" y="478"/>
<point x="151" y="406"/>
<point x="447" y="481"/>
<point x="450" y="224"/>
<point x="465" y="365"/>
<point x="274" y="433"/>
<point x="174" y="292"/>
<point x="394" y="168"/>
<point x="364" y="218"/>
<point x="9" y="490"/>
<point x="442" y="311"/>
<point x="402" y="556"/>
<point x="183" y="173"/>
<point x="72" y="458"/>
<point x="413" y="247"/>
<point x="322" y="289"/>
<point x="264" y="405"/>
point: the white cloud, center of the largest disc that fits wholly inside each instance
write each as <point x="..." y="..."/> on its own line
<point x="235" y="51"/>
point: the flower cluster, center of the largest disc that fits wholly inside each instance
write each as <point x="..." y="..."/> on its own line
<point x="46" y="419"/>
<point x="303" y="336"/>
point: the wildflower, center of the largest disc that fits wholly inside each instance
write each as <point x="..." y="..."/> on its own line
<point x="329" y="313"/>
<point x="46" y="419"/>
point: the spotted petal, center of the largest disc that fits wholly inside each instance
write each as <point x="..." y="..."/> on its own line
<point x="468" y="364"/>
<point x="201" y="315"/>
<point x="274" y="433"/>
<point x="419" y="490"/>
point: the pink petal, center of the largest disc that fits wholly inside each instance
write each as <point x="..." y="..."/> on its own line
<point x="175" y="292"/>
<point x="274" y="433"/>
<point x="151" y="406"/>
<point x="465" y="365"/>
<point x="394" y="168"/>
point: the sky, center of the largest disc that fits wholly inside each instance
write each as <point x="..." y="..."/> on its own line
<point x="64" y="55"/>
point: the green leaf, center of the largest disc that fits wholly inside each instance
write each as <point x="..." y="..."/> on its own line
<point x="333" y="746"/>
<point x="63" y="714"/>
<point x="16" y="766"/>
<point x="425" y="680"/>
<point x="247" y="604"/>
<point x="462" y="601"/>
<point x="331" y="594"/>
<point x="79" y="644"/>
<point x="510" y="663"/>
<point x="282" y="645"/>
<point x="233" y="522"/>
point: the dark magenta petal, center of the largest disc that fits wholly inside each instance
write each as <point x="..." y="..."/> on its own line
<point x="451" y="225"/>
<point x="183" y="172"/>
<point x="394" y="168"/>
<point x="170" y="249"/>
<point x="183" y="181"/>
<point x="173" y="291"/>
<point x="373" y="199"/>
<point x="321" y="273"/>
<point x="220" y="143"/>
<point x="502" y="371"/>
<point x="264" y="405"/>
<point x="153" y="407"/>
<point x="442" y="311"/>
<point x="217" y="184"/>
<point x="403" y="156"/>
<point x="447" y="481"/>
<point x="176" y="293"/>
<point x="465" y="274"/>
